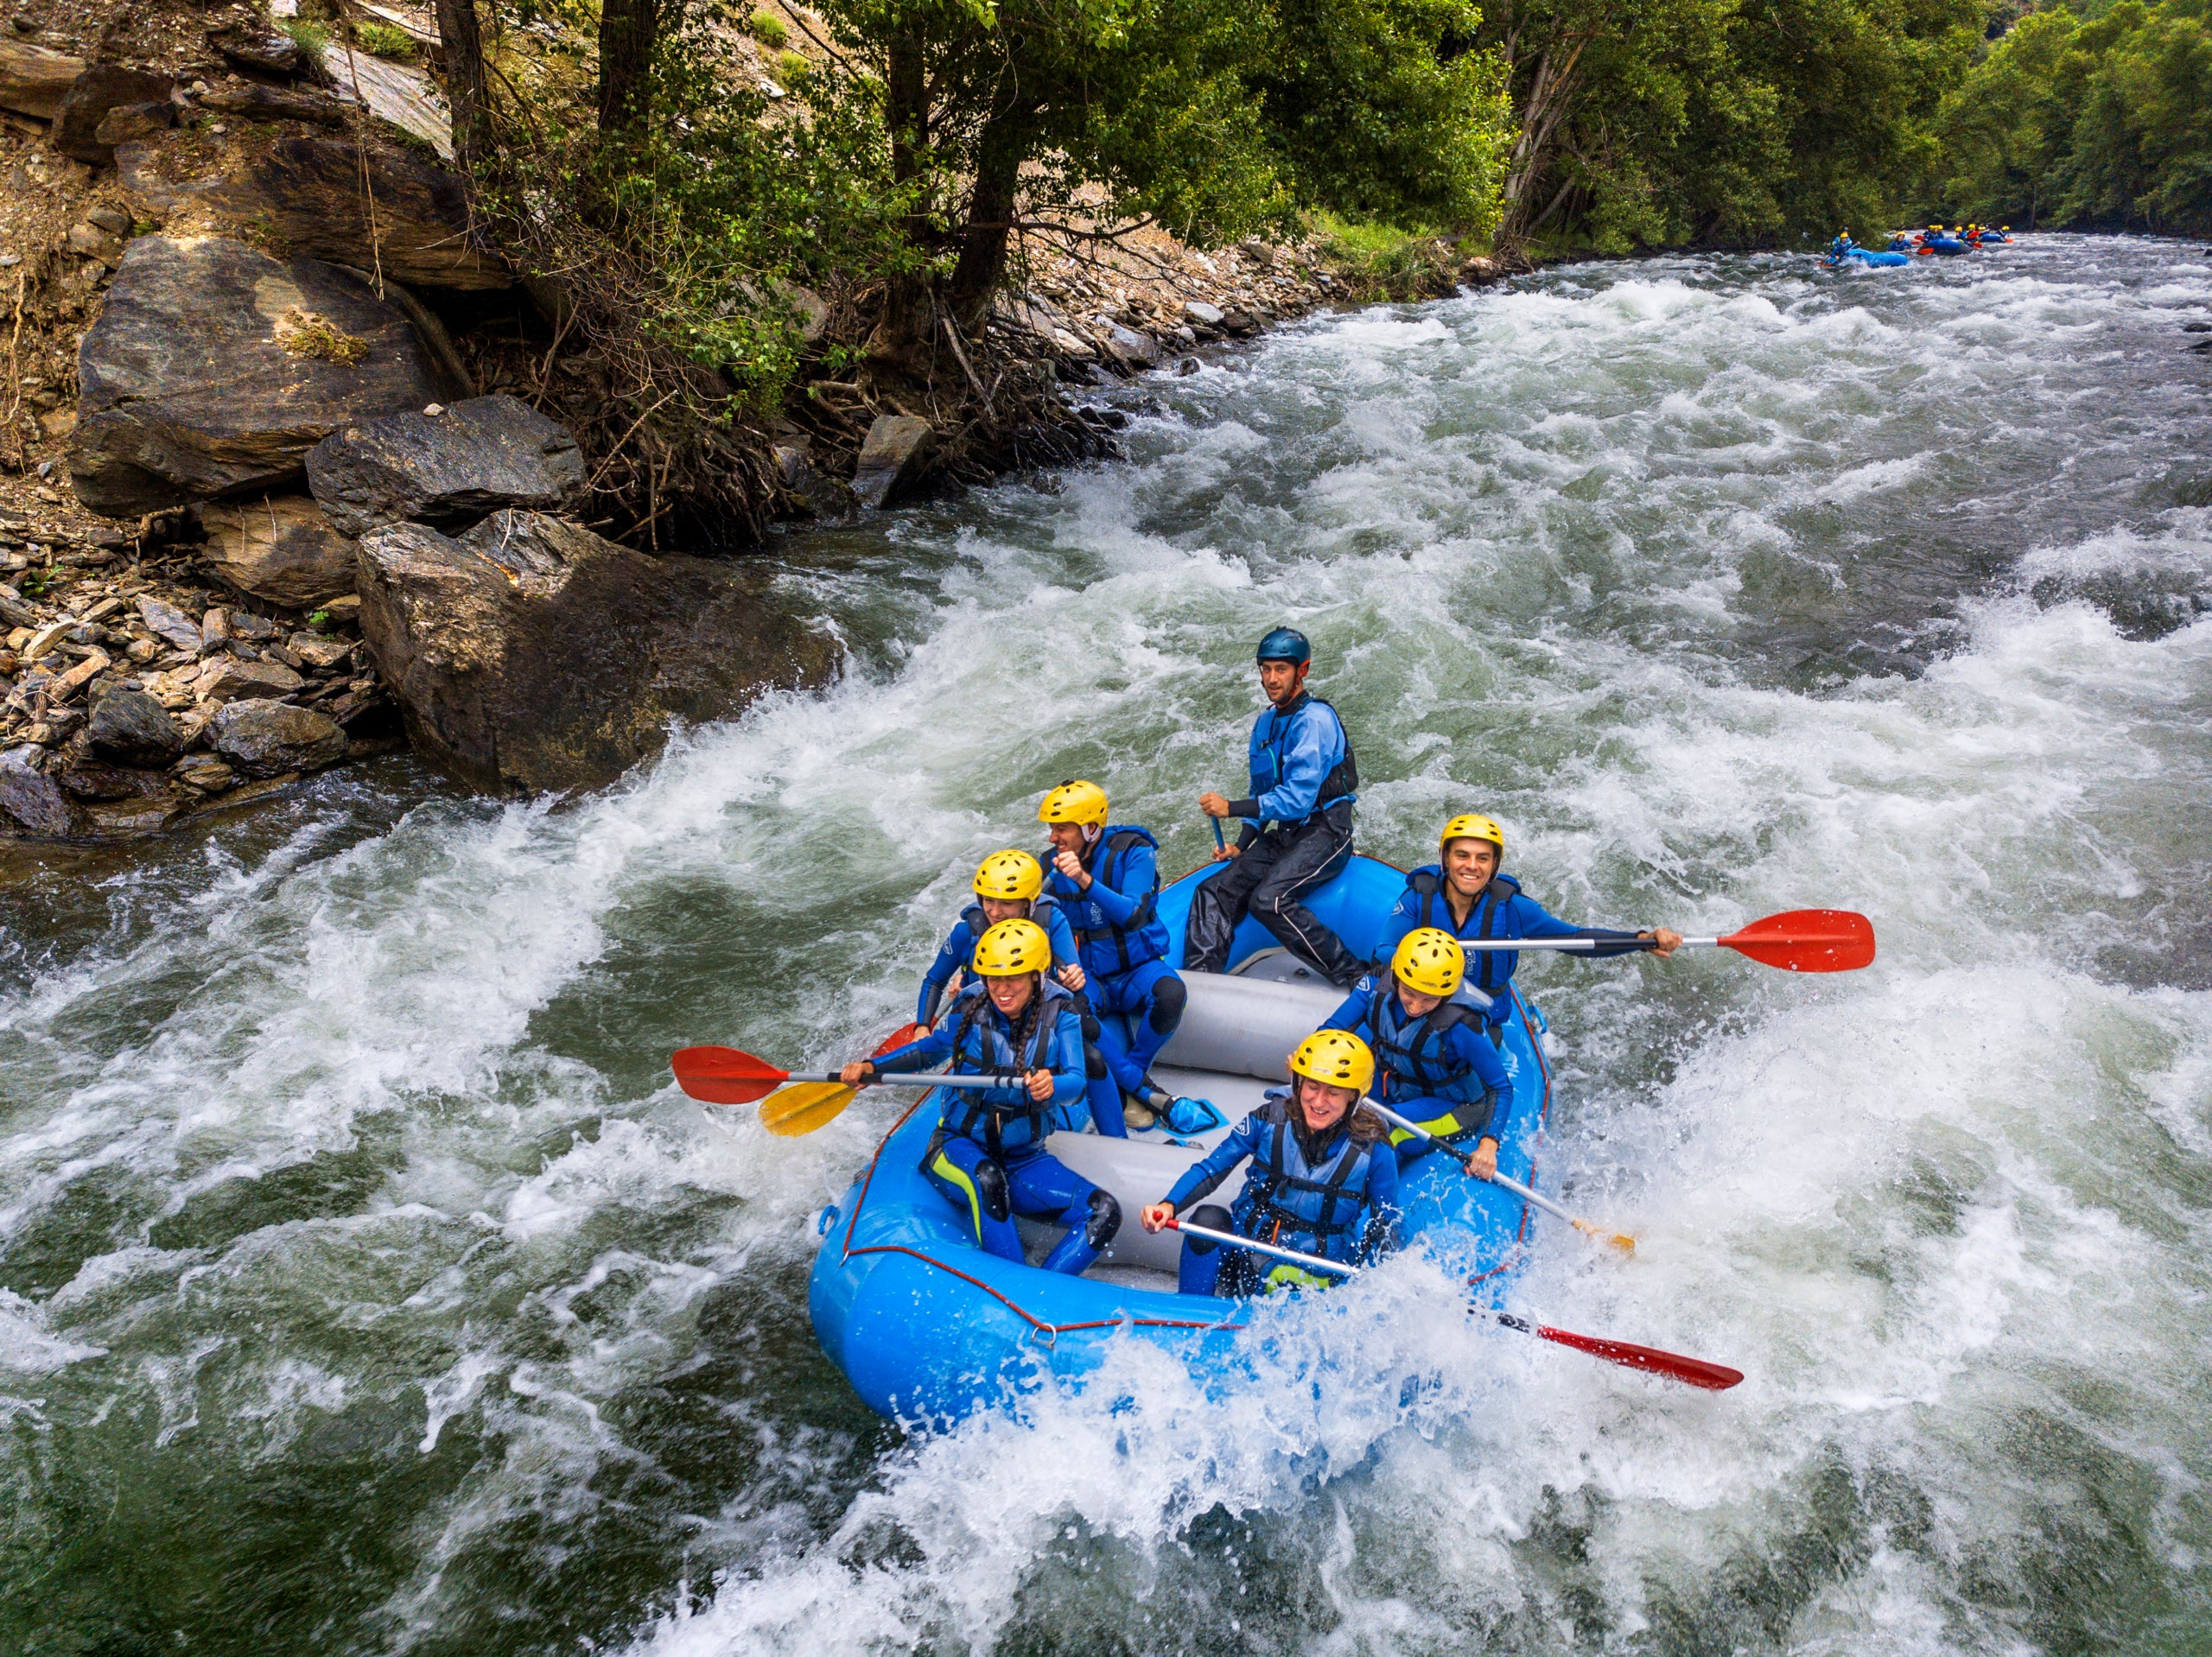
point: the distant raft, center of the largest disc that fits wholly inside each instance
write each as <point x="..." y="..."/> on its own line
<point x="930" y="1328"/>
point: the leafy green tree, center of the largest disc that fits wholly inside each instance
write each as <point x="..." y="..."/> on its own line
<point x="2107" y="121"/>
<point x="1721" y="121"/>
<point x="1214" y="121"/>
<point x="1388" y="110"/>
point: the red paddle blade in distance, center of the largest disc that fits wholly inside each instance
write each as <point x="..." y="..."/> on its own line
<point x="1808" y="940"/>
<point x="723" y="1075"/>
<point x="1717" y="1377"/>
<point x="898" y="1039"/>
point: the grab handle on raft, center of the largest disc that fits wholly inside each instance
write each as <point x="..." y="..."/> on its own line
<point x="1619" y="1240"/>
<point x="1799" y="940"/>
<point x="1697" y="1372"/>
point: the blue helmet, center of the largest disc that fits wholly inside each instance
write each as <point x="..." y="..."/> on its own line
<point x="1285" y="644"/>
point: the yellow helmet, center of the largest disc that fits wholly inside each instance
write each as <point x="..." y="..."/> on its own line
<point x="1010" y="875"/>
<point x="1472" y="825"/>
<point x="1011" y="948"/>
<point x="1336" y="1057"/>
<point x="1429" y="959"/>
<point x="1084" y="803"/>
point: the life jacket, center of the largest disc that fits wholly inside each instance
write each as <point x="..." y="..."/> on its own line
<point x="980" y="1046"/>
<point x="1343" y="781"/>
<point x="1414" y="1054"/>
<point x="1492" y="969"/>
<point x="1109" y="949"/>
<point x="1297" y="1204"/>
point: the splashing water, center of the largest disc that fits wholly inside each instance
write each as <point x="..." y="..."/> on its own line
<point x="365" y="1286"/>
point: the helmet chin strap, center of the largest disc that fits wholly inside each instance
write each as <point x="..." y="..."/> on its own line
<point x="1091" y="831"/>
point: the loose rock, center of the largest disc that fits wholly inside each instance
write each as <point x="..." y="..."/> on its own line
<point x="186" y="392"/>
<point x="281" y="548"/>
<point x="450" y="470"/>
<point x="894" y="458"/>
<point x="235" y="681"/>
<point x="33" y="80"/>
<point x="130" y="123"/>
<point x="250" y="44"/>
<point x="32" y="801"/>
<point x="131" y="728"/>
<point x="100" y="89"/>
<point x="268" y="739"/>
<point x="172" y="624"/>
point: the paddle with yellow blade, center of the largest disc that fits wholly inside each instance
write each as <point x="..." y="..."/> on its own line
<point x="1589" y="1228"/>
<point x="793" y="1101"/>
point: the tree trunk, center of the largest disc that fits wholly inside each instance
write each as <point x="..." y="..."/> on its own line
<point x="628" y="29"/>
<point x="983" y="238"/>
<point x="462" y="50"/>
<point x="909" y="308"/>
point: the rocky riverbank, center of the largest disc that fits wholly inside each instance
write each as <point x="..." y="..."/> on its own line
<point x="297" y="465"/>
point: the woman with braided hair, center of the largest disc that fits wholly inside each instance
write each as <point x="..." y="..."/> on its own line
<point x="1018" y="1023"/>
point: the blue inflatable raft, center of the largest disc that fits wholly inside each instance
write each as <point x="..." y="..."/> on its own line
<point x="1843" y="251"/>
<point x="929" y="1328"/>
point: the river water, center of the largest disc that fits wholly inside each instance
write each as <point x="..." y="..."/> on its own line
<point x="369" y="1289"/>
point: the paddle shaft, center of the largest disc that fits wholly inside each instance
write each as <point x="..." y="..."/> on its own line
<point x="1499" y="1180"/>
<point x="1220" y="842"/>
<point x="882" y="1079"/>
<point x="1697" y="1372"/>
<point x="1475" y="946"/>
<point x="1311" y="1262"/>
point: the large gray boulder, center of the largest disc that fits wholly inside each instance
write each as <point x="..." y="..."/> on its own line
<point x="895" y="457"/>
<point x="282" y="548"/>
<point x="270" y="739"/>
<point x="214" y="368"/>
<point x="449" y="469"/>
<point x="130" y="729"/>
<point x="531" y="654"/>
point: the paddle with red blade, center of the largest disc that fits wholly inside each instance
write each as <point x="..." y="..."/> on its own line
<point x="1799" y="940"/>
<point x="1695" y="1372"/>
<point x="727" y="1076"/>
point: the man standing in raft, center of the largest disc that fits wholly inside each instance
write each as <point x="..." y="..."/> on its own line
<point x="1297" y="824"/>
<point x="1321" y="1180"/>
<point x="1466" y="896"/>
<point x="1439" y="1068"/>
<point x="987" y="1155"/>
<point x="1108" y="882"/>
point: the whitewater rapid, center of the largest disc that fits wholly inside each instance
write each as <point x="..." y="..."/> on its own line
<point x="365" y="1286"/>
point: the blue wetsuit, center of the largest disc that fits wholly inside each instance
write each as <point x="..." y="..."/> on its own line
<point x="959" y="948"/>
<point x="1124" y="947"/>
<point x="1341" y="1203"/>
<point x="987" y="1155"/>
<point x="1296" y="837"/>
<point x="1500" y="910"/>
<point x="1440" y="1069"/>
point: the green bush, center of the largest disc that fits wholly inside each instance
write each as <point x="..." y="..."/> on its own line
<point x="385" y="41"/>
<point x="311" y="37"/>
<point x="791" y="68"/>
<point x="769" y="31"/>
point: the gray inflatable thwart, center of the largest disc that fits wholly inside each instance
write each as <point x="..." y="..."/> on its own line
<point x="1246" y="1026"/>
